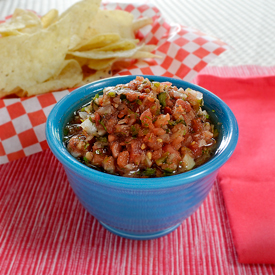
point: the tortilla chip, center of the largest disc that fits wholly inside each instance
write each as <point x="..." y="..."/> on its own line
<point x="112" y="21"/>
<point x="141" y="22"/>
<point x="144" y="54"/>
<point x="80" y="14"/>
<point x="36" y="57"/>
<point x="97" y="54"/>
<point x="54" y="52"/>
<point x="80" y="60"/>
<point x="99" y="64"/>
<point x="22" y="21"/>
<point x="96" y="75"/>
<point x="122" y="45"/>
<point x="70" y="75"/>
<point x="49" y="18"/>
<point x="97" y="41"/>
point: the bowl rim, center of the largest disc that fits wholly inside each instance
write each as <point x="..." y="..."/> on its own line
<point x="188" y="177"/>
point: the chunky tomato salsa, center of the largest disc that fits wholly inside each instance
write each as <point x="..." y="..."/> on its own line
<point x="142" y="129"/>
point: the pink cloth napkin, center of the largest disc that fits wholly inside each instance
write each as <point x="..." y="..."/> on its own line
<point x="247" y="180"/>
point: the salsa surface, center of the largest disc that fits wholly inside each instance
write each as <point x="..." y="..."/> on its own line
<point x="142" y="129"/>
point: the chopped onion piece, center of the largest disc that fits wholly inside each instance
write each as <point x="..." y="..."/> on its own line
<point x="178" y="95"/>
<point x="202" y="142"/>
<point x="89" y="127"/>
<point x="101" y="132"/>
<point x="106" y="110"/>
<point x="83" y="115"/>
<point x="197" y="94"/>
<point x="188" y="162"/>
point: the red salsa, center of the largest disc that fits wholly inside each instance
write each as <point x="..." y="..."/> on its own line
<point x="142" y="129"/>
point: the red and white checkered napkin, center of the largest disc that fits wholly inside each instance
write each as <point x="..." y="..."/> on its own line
<point x="185" y="52"/>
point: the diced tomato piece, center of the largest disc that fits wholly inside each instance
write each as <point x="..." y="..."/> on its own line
<point x="156" y="154"/>
<point x="172" y="166"/>
<point x="135" y="151"/>
<point x="176" y="143"/>
<point x="100" y="101"/>
<point x="110" y="123"/>
<point x="139" y="78"/>
<point x="169" y="148"/>
<point x="158" y="131"/>
<point x="142" y="96"/>
<point x="97" y="118"/>
<point x="132" y="119"/>
<point x="77" y="146"/>
<point x="185" y="105"/>
<point x="98" y="159"/>
<point x="187" y="139"/>
<point x="123" y="112"/>
<point x="148" y="104"/>
<point x="184" y="150"/>
<point x="143" y="132"/>
<point x="111" y="138"/>
<point x="162" y="120"/>
<point x="150" y="137"/>
<point x="166" y="83"/>
<point x="179" y="130"/>
<point x="109" y="164"/>
<point x="150" y="98"/>
<point x="152" y="141"/>
<point x="197" y="125"/>
<point x="167" y="110"/>
<point x="115" y="148"/>
<point x="146" y="119"/>
<point x="155" y="109"/>
<point x="122" y="129"/>
<point x="123" y="159"/>
<point x="169" y="103"/>
<point x="132" y="96"/>
<point x="197" y="151"/>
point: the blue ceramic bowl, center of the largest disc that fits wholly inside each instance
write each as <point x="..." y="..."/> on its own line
<point x="140" y="208"/>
